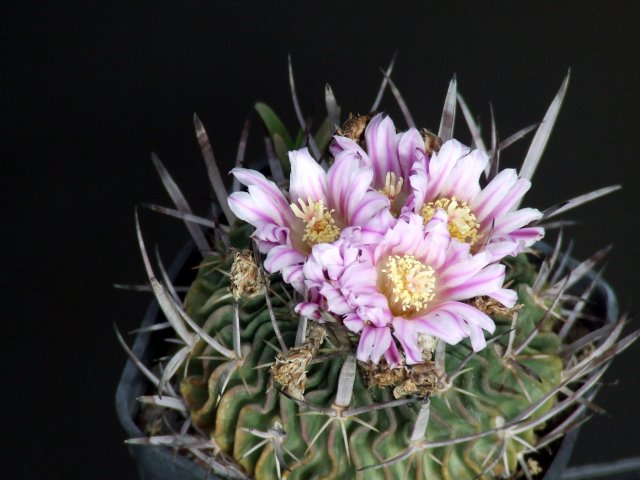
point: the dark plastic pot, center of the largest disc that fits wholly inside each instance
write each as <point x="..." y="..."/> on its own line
<point x="161" y="463"/>
<point x="154" y="463"/>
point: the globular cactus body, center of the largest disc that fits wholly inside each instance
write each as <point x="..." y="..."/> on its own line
<point x="233" y="402"/>
<point x="294" y="375"/>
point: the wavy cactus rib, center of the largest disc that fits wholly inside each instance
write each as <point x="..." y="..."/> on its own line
<point x="265" y="394"/>
<point x="492" y="390"/>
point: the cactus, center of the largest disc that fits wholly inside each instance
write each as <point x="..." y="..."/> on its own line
<point x="258" y="387"/>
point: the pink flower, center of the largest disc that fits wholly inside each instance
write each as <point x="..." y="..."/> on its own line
<point x="417" y="182"/>
<point x="412" y="283"/>
<point x="319" y="205"/>
<point x="391" y="155"/>
<point x="485" y="217"/>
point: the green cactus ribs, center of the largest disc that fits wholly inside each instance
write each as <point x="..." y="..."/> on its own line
<point x="313" y="411"/>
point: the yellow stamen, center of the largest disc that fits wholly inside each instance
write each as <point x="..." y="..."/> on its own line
<point x="462" y="222"/>
<point x="408" y="284"/>
<point x="320" y="227"/>
<point x="392" y="186"/>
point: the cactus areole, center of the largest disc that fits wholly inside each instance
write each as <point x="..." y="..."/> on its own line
<point x="373" y="305"/>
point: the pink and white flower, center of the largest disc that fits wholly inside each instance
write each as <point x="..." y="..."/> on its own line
<point x="414" y="282"/>
<point x="319" y="205"/>
<point x="391" y="155"/>
<point x="486" y="218"/>
<point x="415" y="181"/>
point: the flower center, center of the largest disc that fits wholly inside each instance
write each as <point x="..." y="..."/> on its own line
<point x="392" y="189"/>
<point x="408" y="284"/>
<point x="392" y="186"/>
<point x="320" y="227"/>
<point x="462" y="222"/>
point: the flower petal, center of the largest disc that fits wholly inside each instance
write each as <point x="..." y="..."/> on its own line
<point x="353" y="322"/>
<point x="308" y="179"/>
<point x="309" y="310"/>
<point x="460" y="272"/>
<point x="250" y="177"/>
<point x="437" y="240"/>
<point x="476" y="335"/>
<point x="514" y="194"/>
<point x="404" y="330"/>
<point x="491" y="195"/>
<point x="373" y="343"/>
<point x="381" y="343"/>
<point x="486" y="281"/>
<point x="265" y="201"/>
<point x="349" y="181"/>
<point x="527" y="236"/>
<point x="371" y="204"/>
<point x="382" y="147"/>
<point x="294" y="276"/>
<point x="392" y="356"/>
<point x="441" y="324"/>
<point x="282" y="256"/>
<point x="342" y="144"/>
<point x="410" y="150"/>
<point x="515" y="220"/>
<point x="245" y="208"/>
<point x="419" y="182"/>
<point x="336" y="302"/>
<point x="505" y="296"/>
<point x="463" y="182"/>
<point x="440" y="166"/>
<point x="373" y="230"/>
<point x="469" y="314"/>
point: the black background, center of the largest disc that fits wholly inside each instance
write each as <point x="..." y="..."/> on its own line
<point x="89" y="89"/>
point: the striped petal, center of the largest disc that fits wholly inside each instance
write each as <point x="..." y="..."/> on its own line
<point x="476" y="335"/>
<point x="440" y="324"/>
<point x="463" y="182"/>
<point x="282" y="256"/>
<point x="374" y="342"/>
<point x="515" y="220"/>
<point x="370" y="205"/>
<point x="469" y="314"/>
<point x="405" y="331"/>
<point x="460" y="272"/>
<point x="265" y="201"/>
<point x="392" y="355"/>
<point x="294" y="276"/>
<point x="342" y="144"/>
<point x="309" y="310"/>
<point x="348" y="182"/>
<point x="527" y="236"/>
<point x="505" y="296"/>
<point x="485" y="282"/>
<point x="353" y="322"/>
<point x="252" y="177"/>
<point x="336" y="302"/>
<point x="513" y="196"/>
<point x="491" y="196"/>
<point x="245" y="208"/>
<point x="382" y="147"/>
<point x="410" y="150"/>
<point x="437" y="240"/>
<point x="419" y="182"/>
<point x="441" y="165"/>
<point x="308" y="179"/>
